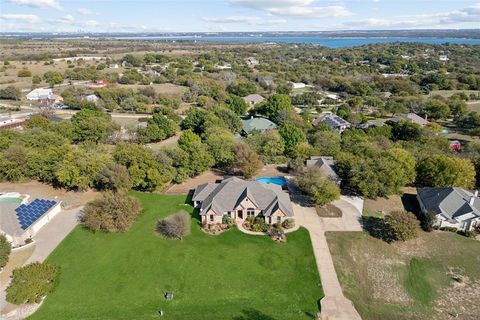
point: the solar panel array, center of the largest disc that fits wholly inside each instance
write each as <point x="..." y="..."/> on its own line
<point x="28" y="214"/>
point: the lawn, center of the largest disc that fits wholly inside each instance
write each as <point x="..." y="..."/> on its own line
<point x="433" y="277"/>
<point x="230" y="276"/>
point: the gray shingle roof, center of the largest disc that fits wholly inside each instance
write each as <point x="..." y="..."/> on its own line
<point x="326" y="166"/>
<point x="226" y="196"/>
<point x="451" y="202"/>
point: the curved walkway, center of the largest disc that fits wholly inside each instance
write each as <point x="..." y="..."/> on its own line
<point x="334" y="306"/>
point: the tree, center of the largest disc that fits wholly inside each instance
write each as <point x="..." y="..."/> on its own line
<point x="175" y="226"/>
<point x="326" y="142"/>
<point x="405" y="130"/>
<point x="428" y="221"/>
<point x="403" y="225"/>
<point x="220" y="143"/>
<point x="199" y="160"/>
<point x="81" y="167"/>
<point x="5" y="248"/>
<point x="237" y="104"/>
<point x="312" y="182"/>
<point x="194" y="120"/>
<point x="444" y="171"/>
<point x="292" y="136"/>
<point x="114" y="177"/>
<point x="31" y="283"/>
<point x="53" y="78"/>
<point x="436" y="109"/>
<point x="112" y="212"/>
<point x="145" y="172"/>
<point x="10" y="93"/>
<point x="269" y="145"/>
<point x="242" y="89"/>
<point x="271" y="107"/>
<point x="91" y="125"/>
<point x="229" y="118"/>
<point x="247" y="160"/>
<point x="159" y="127"/>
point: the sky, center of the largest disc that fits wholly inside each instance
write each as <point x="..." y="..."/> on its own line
<point x="234" y="15"/>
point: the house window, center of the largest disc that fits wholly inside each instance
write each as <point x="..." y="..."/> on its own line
<point x="250" y="212"/>
<point x="279" y="219"/>
<point x="211" y="218"/>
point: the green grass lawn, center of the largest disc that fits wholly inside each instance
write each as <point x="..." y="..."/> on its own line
<point x="411" y="280"/>
<point x="230" y="276"/>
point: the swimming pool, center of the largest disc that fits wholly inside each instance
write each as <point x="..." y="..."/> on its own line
<point x="281" y="181"/>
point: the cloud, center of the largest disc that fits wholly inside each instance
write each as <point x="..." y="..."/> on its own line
<point x="85" y="11"/>
<point x="65" y="19"/>
<point x="251" y="20"/>
<point x="89" y="23"/>
<point x="294" y="8"/>
<point x="28" y="18"/>
<point x="52" y="4"/>
<point x="468" y="14"/>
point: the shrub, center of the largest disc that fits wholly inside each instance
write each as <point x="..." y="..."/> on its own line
<point x="289" y="223"/>
<point x="31" y="283"/>
<point x="5" y="248"/>
<point x="227" y="220"/>
<point x="321" y="190"/>
<point x="24" y="73"/>
<point x="466" y="233"/>
<point x="404" y="225"/>
<point x="428" y="221"/>
<point x="449" y="229"/>
<point x="175" y="226"/>
<point x="113" y="212"/>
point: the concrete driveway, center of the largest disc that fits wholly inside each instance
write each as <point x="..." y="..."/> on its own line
<point x="334" y="306"/>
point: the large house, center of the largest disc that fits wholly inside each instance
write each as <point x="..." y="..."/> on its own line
<point x="453" y="207"/>
<point x="36" y="94"/>
<point x="326" y="165"/>
<point x="410" y="117"/>
<point x="21" y="220"/>
<point x="257" y="124"/>
<point x="240" y="199"/>
<point x="333" y="121"/>
<point x="253" y="99"/>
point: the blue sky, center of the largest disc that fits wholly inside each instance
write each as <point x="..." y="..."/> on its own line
<point x="234" y="15"/>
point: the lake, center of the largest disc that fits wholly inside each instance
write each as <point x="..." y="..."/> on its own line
<point x="324" y="41"/>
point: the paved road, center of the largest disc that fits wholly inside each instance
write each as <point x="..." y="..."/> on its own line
<point x="46" y="240"/>
<point x="334" y="306"/>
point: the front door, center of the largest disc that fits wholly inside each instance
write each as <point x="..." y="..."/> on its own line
<point x="240" y="214"/>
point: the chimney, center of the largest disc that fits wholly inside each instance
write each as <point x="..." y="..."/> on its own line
<point x="472" y="199"/>
<point x="476" y="193"/>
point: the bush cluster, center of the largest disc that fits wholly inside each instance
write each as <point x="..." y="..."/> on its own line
<point x="175" y="226"/>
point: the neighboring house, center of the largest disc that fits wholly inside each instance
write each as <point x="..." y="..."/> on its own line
<point x="265" y="81"/>
<point x="113" y="66"/>
<point x="9" y="123"/>
<point x="22" y="220"/>
<point x="240" y="199"/>
<point x="297" y="85"/>
<point x="50" y="100"/>
<point x="35" y="94"/>
<point x="410" y="117"/>
<point x="443" y="58"/>
<point x="100" y="84"/>
<point x="259" y="124"/>
<point x="453" y="207"/>
<point x="253" y="99"/>
<point x="455" y="145"/>
<point x="92" y="98"/>
<point x="333" y="121"/>
<point x="326" y="165"/>
<point x="251" y="62"/>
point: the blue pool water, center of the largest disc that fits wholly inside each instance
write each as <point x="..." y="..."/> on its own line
<point x="275" y="180"/>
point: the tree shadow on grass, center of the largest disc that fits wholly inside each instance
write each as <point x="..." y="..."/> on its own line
<point x="377" y="228"/>
<point x="252" y="314"/>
